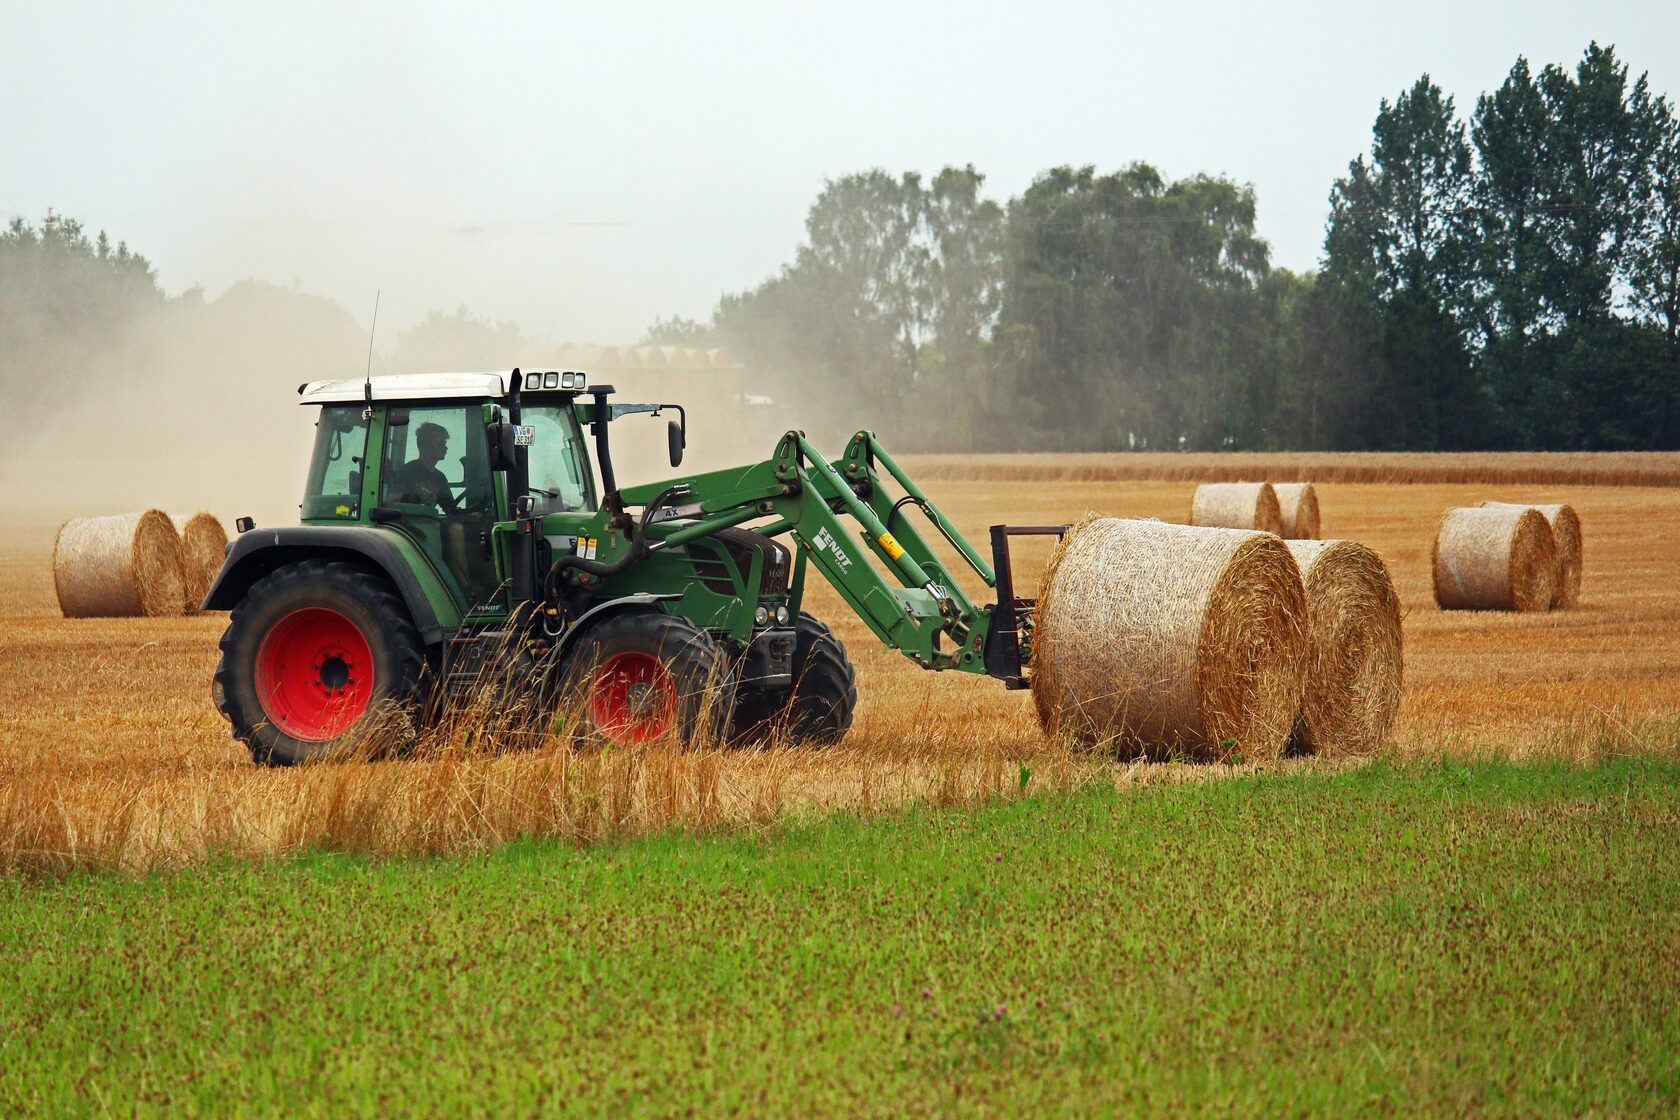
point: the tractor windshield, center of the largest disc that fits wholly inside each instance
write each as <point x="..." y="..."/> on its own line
<point x="560" y="477"/>
<point x="334" y="489"/>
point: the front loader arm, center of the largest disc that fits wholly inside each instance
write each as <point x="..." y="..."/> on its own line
<point x="915" y="607"/>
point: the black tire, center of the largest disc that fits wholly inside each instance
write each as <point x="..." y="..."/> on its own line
<point x="691" y="695"/>
<point x="817" y="710"/>
<point x="245" y="683"/>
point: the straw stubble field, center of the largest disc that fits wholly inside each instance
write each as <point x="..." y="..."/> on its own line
<point x="110" y="750"/>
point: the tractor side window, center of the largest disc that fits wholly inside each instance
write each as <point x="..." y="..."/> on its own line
<point x="435" y="458"/>
<point x="560" y="479"/>
<point x="334" y="488"/>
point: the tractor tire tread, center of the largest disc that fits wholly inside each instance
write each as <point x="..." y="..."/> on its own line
<point x="706" y="676"/>
<point x="818" y="709"/>
<point x="245" y="715"/>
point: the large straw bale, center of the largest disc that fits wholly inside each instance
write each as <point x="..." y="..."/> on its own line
<point x="123" y="565"/>
<point x="1298" y="506"/>
<point x="1237" y="505"/>
<point x="1171" y="640"/>
<point x="1566" y="534"/>
<point x="203" y="548"/>
<point x="1494" y="560"/>
<point x="1354" y="668"/>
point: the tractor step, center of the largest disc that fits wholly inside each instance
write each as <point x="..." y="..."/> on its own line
<point x="468" y="658"/>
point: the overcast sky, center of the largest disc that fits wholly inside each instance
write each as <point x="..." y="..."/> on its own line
<point x="582" y="169"/>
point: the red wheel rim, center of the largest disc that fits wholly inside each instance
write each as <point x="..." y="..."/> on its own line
<point x="632" y="698"/>
<point x="314" y="674"/>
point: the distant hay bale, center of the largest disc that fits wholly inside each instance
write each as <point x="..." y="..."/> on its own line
<point x="1354" y="666"/>
<point x="1171" y="639"/>
<point x="1237" y="505"/>
<point x="1566" y="534"/>
<point x="203" y="548"/>
<point x="1298" y="506"/>
<point x="1494" y="560"/>
<point x="124" y="565"/>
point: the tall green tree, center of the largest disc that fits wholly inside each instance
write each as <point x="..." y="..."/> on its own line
<point x="1602" y="136"/>
<point x="1402" y="220"/>
<point x="67" y="303"/>
<point x="1136" y="299"/>
<point x="1655" y="262"/>
<point x="1400" y="239"/>
<point x="1512" y="192"/>
<point x="964" y="233"/>
<point x="889" y="303"/>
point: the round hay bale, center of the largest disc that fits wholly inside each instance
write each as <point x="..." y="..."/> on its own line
<point x="1494" y="560"/>
<point x="1354" y="667"/>
<point x="1237" y="505"/>
<point x="203" y="548"/>
<point x="1566" y="534"/>
<point x="1171" y="640"/>
<point x="124" y="565"/>
<point x="1298" y="507"/>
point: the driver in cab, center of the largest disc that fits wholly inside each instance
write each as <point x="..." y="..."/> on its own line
<point x="419" y="479"/>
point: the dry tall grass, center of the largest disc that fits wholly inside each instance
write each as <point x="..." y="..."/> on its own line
<point x="111" y="752"/>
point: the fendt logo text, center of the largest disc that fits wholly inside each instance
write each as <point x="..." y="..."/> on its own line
<point x="823" y="541"/>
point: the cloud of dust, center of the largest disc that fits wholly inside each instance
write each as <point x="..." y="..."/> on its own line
<point x="181" y="403"/>
<point x="187" y="403"/>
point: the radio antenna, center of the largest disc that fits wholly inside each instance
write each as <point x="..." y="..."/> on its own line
<point x="367" y="378"/>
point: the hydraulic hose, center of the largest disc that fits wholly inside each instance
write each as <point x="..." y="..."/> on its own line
<point x="637" y="550"/>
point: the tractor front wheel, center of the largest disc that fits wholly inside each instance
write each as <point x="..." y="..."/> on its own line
<point x="817" y="710"/>
<point x="640" y="676"/>
<point x="308" y="654"/>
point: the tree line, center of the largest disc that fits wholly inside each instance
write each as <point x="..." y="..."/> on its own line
<point x="1506" y="280"/>
<point x="1510" y="281"/>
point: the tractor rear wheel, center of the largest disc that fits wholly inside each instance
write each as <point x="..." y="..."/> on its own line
<point x="308" y="654"/>
<point x="639" y="676"/>
<point x="817" y="710"/>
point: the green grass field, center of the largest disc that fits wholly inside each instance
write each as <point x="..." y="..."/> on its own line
<point x="1490" y="938"/>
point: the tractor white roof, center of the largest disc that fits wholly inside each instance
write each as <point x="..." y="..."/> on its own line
<point x="409" y="386"/>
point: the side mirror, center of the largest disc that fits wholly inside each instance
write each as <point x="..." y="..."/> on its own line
<point x="676" y="439"/>
<point x="502" y="438"/>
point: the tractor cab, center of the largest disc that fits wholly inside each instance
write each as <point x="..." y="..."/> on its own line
<point x="421" y="456"/>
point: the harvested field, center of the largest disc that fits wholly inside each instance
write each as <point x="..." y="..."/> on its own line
<point x="106" y="725"/>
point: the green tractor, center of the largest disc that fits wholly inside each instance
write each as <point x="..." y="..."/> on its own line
<point x="451" y="523"/>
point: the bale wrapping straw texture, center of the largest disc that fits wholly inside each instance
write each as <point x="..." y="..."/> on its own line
<point x="1494" y="560"/>
<point x="1237" y="505"/>
<point x="203" y="548"/>
<point x="1298" y="504"/>
<point x="1354" y="667"/>
<point x="1566" y="535"/>
<point x="1171" y="639"/>
<point x="124" y="565"/>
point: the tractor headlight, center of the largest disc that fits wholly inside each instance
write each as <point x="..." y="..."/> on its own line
<point x="782" y="616"/>
<point x="551" y="381"/>
<point x="761" y="616"/>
